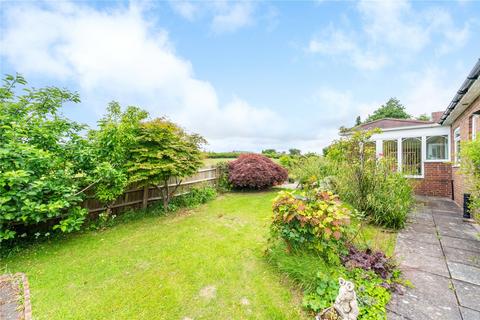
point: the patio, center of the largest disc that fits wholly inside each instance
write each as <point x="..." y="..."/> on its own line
<point x="440" y="254"/>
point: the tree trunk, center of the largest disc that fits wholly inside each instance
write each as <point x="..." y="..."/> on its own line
<point x="165" y="196"/>
<point x="145" y="197"/>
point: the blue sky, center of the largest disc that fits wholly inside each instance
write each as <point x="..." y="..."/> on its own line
<point x="246" y="75"/>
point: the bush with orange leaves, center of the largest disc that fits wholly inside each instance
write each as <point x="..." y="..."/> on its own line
<point x="315" y="220"/>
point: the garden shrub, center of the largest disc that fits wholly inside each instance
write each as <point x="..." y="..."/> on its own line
<point x="289" y="161"/>
<point x="369" y="184"/>
<point x="317" y="250"/>
<point x="194" y="197"/>
<point x="319" y="280"/>
<point x="391" y="199"/>
<point x="311" y="170"/>
<point x="39" y="180"/>
<point x="316" y="220"/>
<point x="48" y="165"/>
<point x="369" y="260"/>
<point x="254" y="171"/>
<point x="223" y="183"/>
<point x="470" y="160"/>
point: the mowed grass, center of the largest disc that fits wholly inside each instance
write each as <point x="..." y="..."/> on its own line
<point x="156" y="267"/>
<point x="203" y="263"/>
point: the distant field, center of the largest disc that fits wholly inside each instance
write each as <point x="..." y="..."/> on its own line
<point x="210" y="162"/>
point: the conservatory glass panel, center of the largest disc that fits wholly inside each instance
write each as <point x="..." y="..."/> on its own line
<point x="390" y="153"/>
<point x="412" y="156"/>
<point x="437" y="148"/>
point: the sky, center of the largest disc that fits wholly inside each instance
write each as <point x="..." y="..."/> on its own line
<point x="245" y="75"/>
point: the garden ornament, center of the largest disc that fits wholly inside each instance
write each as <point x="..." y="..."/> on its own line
<point x="345" y="306"/>
<point x="346" y="302"/>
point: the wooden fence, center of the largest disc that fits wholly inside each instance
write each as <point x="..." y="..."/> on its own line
<point x="136" y="198"/>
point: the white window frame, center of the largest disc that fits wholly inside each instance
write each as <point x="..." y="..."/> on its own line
<point x="456" y="138"/>
<point x="474" y="130"/>
<point x="398" y="134"/>
<point x="448" y="149"/>
<point x="422" y="140"/>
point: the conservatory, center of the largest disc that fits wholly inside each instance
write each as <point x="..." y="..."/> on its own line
<point x="418" y="149"/>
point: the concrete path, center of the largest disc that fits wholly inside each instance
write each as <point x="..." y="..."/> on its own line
<point x="440" y="254"/>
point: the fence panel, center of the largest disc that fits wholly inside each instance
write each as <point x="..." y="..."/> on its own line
<point x="137" y="197"/>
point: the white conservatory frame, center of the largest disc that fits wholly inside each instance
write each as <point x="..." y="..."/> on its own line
<point x="422" y="132"/>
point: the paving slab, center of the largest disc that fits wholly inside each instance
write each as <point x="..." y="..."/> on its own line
<point x="463" y="272"/>
<point x="420" y="237"/>
<point x="393" y="316"/>
<point x="464" y="244"/>
<point x="468" y="294"/>
<point x="419" y="227"/>
<point x="10" y="301"/>
<point x="471" y="258"/>
<point x="440" y="254"/>
<point x="421" y="218"/>
<point x="435" y="265"/>
<point x="443" y="205"/>
<point x="431" y="298"/>
<point x="412" y="246"/>
<point x="444" y="220"/>
<point x="463" y="231"/>
<point x="469" y="314"/>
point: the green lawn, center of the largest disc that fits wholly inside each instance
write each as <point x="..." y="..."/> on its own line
<point x="156" y="268"/>
<point x="204" y="263"/>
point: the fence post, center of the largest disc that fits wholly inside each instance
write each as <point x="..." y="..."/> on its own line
<point x="145" y="197"/>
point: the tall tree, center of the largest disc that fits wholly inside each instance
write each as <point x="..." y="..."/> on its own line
<point x="163" y="152"/>
<point x="111" y="146"/>
<point x="391" y="109"/>
<point x="358" y="121"/>
<point x="295" y="152"/>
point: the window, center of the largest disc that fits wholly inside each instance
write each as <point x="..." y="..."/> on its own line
<point x="390" y="153"/>
<point x="474" y="126"/>
<point x="437" y="148"/>
<point x="456" y="139"/>
<point x="412" y="156"/>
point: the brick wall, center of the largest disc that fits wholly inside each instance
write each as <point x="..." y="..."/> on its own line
<point x="437" y="180"/>
<point x="465" y="124"/>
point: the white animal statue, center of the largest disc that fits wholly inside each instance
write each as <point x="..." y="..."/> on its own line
<point x="346" y="302"/>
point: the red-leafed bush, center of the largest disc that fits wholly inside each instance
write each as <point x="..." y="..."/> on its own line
<point x="254" y="171"/>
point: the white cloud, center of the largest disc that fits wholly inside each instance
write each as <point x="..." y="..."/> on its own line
<point x="226" y="16"/>
<point x="233" y="17"/>
<point x="393" y="23"/>
<point x="336" y="42"/>
<point x="390" y="30"/>
<point x="432" y="89"/>
<point x="186" y="9"/>
<point x="118" y="54"/>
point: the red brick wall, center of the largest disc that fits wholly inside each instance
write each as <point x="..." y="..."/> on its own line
<point x="465" y="124"/>
<point x="437" y="180"/>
